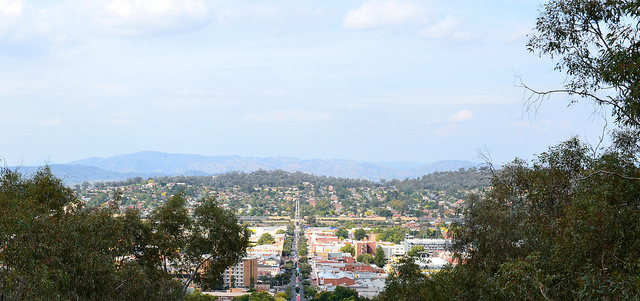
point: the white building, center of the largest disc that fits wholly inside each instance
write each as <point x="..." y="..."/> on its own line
<point x="427" y="244"/>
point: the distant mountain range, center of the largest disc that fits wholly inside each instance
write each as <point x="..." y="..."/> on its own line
<point x="152" y="164"/>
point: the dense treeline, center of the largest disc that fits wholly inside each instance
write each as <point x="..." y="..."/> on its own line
<point x="463" y="179"/>
<point x="272" y="178"/>
<point x="460" y="179"/>
<point x="52" y="247"/>
<point x="564" y="226"/>
<point x="269" y="192"/>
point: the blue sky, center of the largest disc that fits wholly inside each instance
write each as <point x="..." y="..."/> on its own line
<point x="377" y="81"/>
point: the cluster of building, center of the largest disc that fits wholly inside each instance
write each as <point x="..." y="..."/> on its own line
<point x="332" y="267"/>
<point x="261" y="260"/>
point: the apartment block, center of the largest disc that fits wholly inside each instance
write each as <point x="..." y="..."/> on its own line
<point x="239" y="275"/>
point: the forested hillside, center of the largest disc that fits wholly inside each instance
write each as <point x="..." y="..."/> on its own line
<point x="265" y="193"/>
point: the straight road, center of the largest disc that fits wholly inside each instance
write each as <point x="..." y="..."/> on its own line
<point x="296" y="280"/>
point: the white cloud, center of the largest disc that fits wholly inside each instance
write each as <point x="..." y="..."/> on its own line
<point x="374" y="14"/>
<point x="279" y="116"/>
<point x="463" y="115"/>
<point x="11" y="13"/>
<point x="444" y="27"/>
<point x="19" y="23"/>
<point x="11" y="7"/>
<point x="253" y="11"/>
<point x="50" y="122"/>
<point x="148" y="17"/>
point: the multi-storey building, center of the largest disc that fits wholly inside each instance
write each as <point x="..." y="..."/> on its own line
<point x="240" y="274"/>
<point x="429" y="245"/>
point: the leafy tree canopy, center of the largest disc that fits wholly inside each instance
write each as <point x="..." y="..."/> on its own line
<point x="564" y="228"/>
<point x="380" y="259"/>
<point x="342" y="233"/>
<point x="54" y="248"/>
<point x="365" y="258"/>
<point x="597" y="43"/>
<point x="341" y="293"/>
<point x="348" y="248"/>
<point x="266" y="239"/>
<point x="360" y="234"/>
<point x="198" y="296"/>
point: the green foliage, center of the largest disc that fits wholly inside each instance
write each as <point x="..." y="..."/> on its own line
<point x="170" y="221"/>
<point x="564" y="228"/>
<point x="288" y="265"/>
<point x="254" y="194"/>
<point x="348" y="248"/>
<point x="305" y="268"/>
<point x="286" y="247"/>
<point x="415" y="251"/>
<point x="365" y="258"/>
<point x="289" y="291"/>
<point x="302" y="246"/>
<point x="198" y="296"/>
<point x="266" y="239"/>
<point x="379" y="259"/>
<point x="597" y="46"/>
<point x="309" y="291"/>
<point x="384" y="212"/>
<point x="242" y="298"/>
<point x="342" y="233"/>
<point x="341" y="293"/>
<point x="393" y="234"/>
<point x="53" y="248"/>
<point x="408" y="282"/>
<point x="360" y="234"/>
<point x="255" y="296"/>
<point x="322" y="207"/>
<point x="216" y="241"/>
<point x="281" y="279"/>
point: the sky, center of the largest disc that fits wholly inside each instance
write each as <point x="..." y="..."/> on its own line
<point x="372" y="81"/>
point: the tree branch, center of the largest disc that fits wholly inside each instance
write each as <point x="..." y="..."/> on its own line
<point x="611" y="101"/>
<point x="193" y="274"/>
<point x="611" y="174"/>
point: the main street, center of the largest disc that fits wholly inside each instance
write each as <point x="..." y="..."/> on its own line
<point x="296" y="278"/>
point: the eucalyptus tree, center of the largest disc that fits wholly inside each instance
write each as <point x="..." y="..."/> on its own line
<point x="564" y="226"/>
<point x="597" y="44"/>
<point x="52" y="247"/>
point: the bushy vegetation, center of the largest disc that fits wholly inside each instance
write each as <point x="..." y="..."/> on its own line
<point x="52" y="247"/>
<point x="565" y="226"/>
